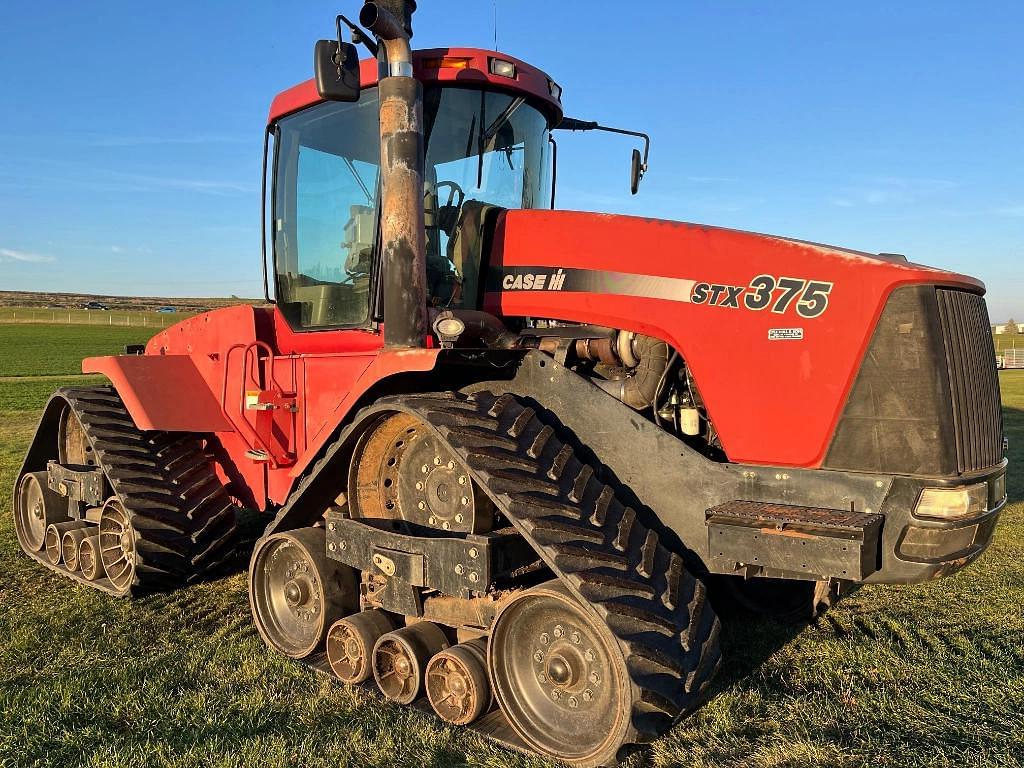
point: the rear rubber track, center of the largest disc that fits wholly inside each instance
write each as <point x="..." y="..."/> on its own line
<point x="183" y="518"/>
<point x="616" y="566"/>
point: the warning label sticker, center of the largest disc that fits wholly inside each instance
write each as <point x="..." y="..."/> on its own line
<point x="785" y="334"/>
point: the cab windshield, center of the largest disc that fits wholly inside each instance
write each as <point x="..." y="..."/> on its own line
<point x="485" y="151"/>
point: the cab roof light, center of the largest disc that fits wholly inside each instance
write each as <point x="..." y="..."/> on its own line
<point x="447" y="62"/>
<point x="503" y="68"/>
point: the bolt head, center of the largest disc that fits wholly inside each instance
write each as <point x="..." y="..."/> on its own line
<point x="538" y="656"/>
<point x="432" y="520"/>
<point x="459" y="518"/>
<point x="462" y="480"/>
<point x="465" y="501"/>
<point x="588" y="695"/>
<point x="344" y="545"/>
<point x="573" y="702"/>
<point x="437" y="461"/>
<point x="446" y="525"/>
<point x="332" y="546"/>
<point x="460" y="569"/>
<point x="544" y="638"/>
<point x="422" y="505"/>
<point x="575" y="637"/>
<point x="424" y="469"/>
<point x="590" y="655"/>
<point x="541" y="677"/>
<point x="595" y="678"/>
<point x="332" y="526"/>
<point x="556" y="694"/>
<point x="419" y="485"/>
<point x="451" y="465"/>
<point x="559" y="631"/>
<point x="474" y="553"/>
<point x="474" y="577"/>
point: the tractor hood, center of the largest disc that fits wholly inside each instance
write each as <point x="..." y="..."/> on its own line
<point x="773" y="330"/>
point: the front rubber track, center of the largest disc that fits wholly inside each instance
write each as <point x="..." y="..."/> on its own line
<point x="617" y="567"/>
<point x="183" y="519"/>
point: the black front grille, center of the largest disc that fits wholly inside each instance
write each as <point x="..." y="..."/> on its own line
<point x="973" y="381"/>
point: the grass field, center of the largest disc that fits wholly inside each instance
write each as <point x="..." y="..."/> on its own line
<point x="1007" y="341"/>
<point x="928" y="675"/>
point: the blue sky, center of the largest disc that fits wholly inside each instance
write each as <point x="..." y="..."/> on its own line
<point x="132" y="132"/>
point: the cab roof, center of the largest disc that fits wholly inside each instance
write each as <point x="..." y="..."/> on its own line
<point x="471" y="66"/>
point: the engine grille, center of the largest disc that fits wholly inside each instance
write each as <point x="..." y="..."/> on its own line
<point x="973" y="380"/>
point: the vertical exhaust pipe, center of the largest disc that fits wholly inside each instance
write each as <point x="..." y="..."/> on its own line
<point x="403" y="236"/>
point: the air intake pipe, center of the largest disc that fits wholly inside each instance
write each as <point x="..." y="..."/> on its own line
<point x="648" y="358"/>
<point x="402" y="227"/>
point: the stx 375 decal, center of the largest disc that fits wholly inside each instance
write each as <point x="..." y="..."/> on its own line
<point x="809" y="298"/>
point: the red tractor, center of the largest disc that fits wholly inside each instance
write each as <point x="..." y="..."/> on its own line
<point x="504" y="448"/>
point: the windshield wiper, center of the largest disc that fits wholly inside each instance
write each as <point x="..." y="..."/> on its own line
<point x="503" y="118"/>
<point x="359" y="180"/>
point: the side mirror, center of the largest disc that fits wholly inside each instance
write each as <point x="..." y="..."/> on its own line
<point x="337" y="70"/>
<point x="636" y="172"/>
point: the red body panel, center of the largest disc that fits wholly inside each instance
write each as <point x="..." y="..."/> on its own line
<point x="772" y="401"/>
<point x="529" y="80"/>
<point x="151" y="389"/>
<point x="192" y="379"/>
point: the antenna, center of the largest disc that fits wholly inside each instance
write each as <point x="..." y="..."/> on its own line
<point x="495" y="5"/>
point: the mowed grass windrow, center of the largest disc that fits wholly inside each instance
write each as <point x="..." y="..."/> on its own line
<point x="929" y="675"/>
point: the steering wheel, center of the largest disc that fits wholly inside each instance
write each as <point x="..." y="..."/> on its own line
<point x="453" y="190"/>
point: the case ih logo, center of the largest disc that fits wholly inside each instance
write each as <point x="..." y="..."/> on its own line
<point x="534" y="281"/>
<point x="809" y="298"/>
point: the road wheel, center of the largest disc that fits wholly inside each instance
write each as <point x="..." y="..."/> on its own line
<point x="560" y="677"/>
<point x="296" y="592"/>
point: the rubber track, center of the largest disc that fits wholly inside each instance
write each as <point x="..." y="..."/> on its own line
<point x="184" y="520"/>
<point x="593" y="542"/>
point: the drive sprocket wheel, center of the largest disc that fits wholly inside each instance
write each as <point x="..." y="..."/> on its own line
<point x="296" y="593"/>
<point x="561" y="678"/>
<point x="401" y="471"/>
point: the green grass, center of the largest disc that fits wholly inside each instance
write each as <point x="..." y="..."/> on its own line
<point x="928" y="675"/>
<point x="45" y="350"/>
<point x="1006" y="341"/>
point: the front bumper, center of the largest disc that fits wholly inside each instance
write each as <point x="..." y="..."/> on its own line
<point x="916" y="549"/>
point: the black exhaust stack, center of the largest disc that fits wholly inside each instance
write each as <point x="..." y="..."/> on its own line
<point x="403" y="238"/>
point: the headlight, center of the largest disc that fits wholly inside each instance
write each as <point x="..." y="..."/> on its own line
<point x="953" y="503"/>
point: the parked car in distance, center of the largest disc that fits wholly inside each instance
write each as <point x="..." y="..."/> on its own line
<point x="95" y="305"/>
<point x="167" y="309"/>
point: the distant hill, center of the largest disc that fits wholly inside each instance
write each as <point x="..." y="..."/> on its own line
<point x="35" y="299"/>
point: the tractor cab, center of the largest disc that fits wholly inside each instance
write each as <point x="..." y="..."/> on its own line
<point x="486" y="122"/>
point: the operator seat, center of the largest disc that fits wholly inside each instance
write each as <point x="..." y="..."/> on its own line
<point x="470" y="236"/>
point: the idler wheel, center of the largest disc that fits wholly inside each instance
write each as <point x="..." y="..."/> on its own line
<point x="55" y="538"/>
<point x="350" y="644"/>
<point x="400" y="660"/>
<point x="296" y="592"/>
<point x="69" y="546"/>
<point x="35" y="508"/>
<point x="89" y="558"/>
<point x="560" y="677"/>
<point x="457" y="683"/>
<point x="117" y="544"/>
